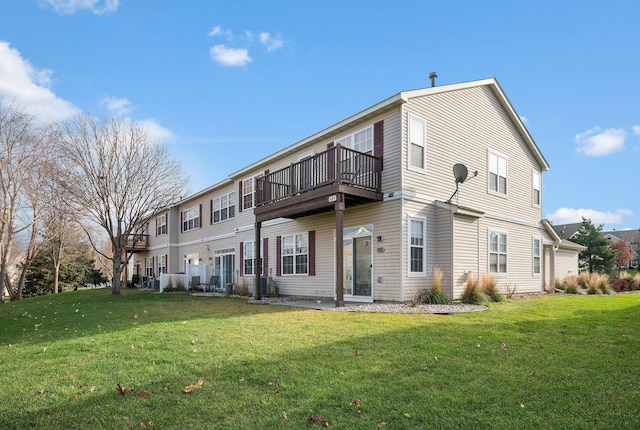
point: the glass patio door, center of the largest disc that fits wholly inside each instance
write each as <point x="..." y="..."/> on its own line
<point x="357" y="269"/>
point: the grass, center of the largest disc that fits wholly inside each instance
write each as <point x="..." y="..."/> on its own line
<point x="549" y="362"/>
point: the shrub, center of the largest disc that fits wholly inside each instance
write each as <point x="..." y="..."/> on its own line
<point x="584" y="279"/>
<point x="624" y="282"/>
<point x="490" y="288"/>
<point x="636" y="278"/>
<point x="472" y="294"/>
<point x="570" y="285"/>
<point x="430" y="297"/>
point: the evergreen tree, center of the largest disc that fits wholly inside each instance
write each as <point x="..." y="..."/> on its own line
<point x="598" y="257"/>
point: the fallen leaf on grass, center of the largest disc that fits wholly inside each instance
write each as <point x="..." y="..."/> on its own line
<point x="424" y="367"/>
<point x="382" y="424"/>
<point x="534" y="373"/>
<point x="189" y="388"/>
<point x="143" y="394"/>
<point x="319" y="420"/>
<point x="123" y="391"/>
<point x="406" y="415"/>
<point x="503" y="346"/>
<point x="356" y="402"/>
<point x="41" y="391"/>
<point x="75" y="397"/>
<point x="285" y="416"/>
<point x="64" y="378"/>
<point x="92" y="389"/>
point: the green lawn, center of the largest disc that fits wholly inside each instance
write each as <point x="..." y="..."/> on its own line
<point x="548" y="362"/>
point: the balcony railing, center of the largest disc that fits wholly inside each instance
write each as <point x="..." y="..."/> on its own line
<point x="335" y="166"/>
<point x="137" y="242"/>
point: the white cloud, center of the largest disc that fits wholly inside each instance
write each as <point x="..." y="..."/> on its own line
<point x="156" y="132"/>
<point x="117" y="106"/>
<point x="230" y="56"/>
<point x="524" y="119"/>
<point x="28" y="87"/>
<point x="598" y="143"/>
<point x="270" y="42"/>
<point x="570" y="216"/>
<point x="68" y="7"/>
<point x="219" y="31"/>
<point x="636" y="130"/>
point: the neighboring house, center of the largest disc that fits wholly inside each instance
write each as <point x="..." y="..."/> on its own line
<point x="364" y="210"/>
<point x="632" y="237"/>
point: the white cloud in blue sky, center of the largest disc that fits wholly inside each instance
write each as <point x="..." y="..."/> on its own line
<point x="270" y="42"/>
<point x="239" y="56"/>
<point x="636" y="130"/>
<point x="68" y="7"/>
<point x="117" y="106"/>
<point x="230" y="56"/>
<point x="570" y="216"/>
<point x="599" y="143"/>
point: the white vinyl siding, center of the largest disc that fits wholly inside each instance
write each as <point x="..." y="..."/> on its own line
<point x="417" y="143"/>
<point x="417" y="229"/>
<point x="497" y="252"/>
<point x="497" y="173"/>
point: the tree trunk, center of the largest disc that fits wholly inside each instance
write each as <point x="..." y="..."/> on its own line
<point x="116" y="282"/>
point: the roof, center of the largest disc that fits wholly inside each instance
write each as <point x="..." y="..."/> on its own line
<point x="629" y="236"/>
<point x="566" y="231"/>
<point x="561" y="242"/>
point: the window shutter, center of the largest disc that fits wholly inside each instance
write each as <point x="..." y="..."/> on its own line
<point x="265" y="256"/>
<point x="241" y="271"/>
<point x="181" y="220"/>
<point x="154" y="270"/>
<point x="200" y="215"/>
<point x="279" y="256"/>
<point x="240" y="197"/>
<point x="378" y="140"/>
<point x="211" y="212"/>
<point x="156" y="226"/>
<point x="312" y="252"/>
<point x="166" y="223"/>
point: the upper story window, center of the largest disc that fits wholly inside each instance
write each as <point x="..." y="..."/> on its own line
<point x="417" y="242"/>
<point x="497" y="173"/>
<point x="536" y="256"/>
<point x="295" y="254"/>
<point x="191" y="218"/>
<point x="497" y="252"/>
<point x="161" y="225"/>
<point x="536" y="189"/>
<point x="417" y="143"/>
<point x="361" y="140"/>
<point x="148" y="267"/>
<point x="224" y="207"/>
<point x="247" y="193"/>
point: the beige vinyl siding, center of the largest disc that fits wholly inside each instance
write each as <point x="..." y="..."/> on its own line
<point x="416" y="282"/>
<point x="461" y="127"/>
<point x="444" y="256"/>
<point x="467" y="252"/>
<point x="392" y="158"/>
<point x="566" y="263"/>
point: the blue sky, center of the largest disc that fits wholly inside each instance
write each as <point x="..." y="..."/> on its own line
<point x="225" y="83"/>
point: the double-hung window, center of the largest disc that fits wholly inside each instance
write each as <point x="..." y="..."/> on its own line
<point x="497" y="173"/>
<point x="536" y="256"/>
<point x="148" y="267"/>
<point x="536" y="189"/>
<point x="162" y="264"/>
<point x="417" y="243"/>
<point x="417" y="143"/>
<point x="191" y="218"/>
<point x="497" y="252"/>
<point x="247" y="193"/>
<point x="295" y="254"/>
<point x="161" y="225"/>
<point x="224" y="207"/>
<point x="249" y="258"/>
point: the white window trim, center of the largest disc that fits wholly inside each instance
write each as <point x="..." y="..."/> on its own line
<point x="161" y="221"/>
<point x="422" y="274"/>
<point x="294" y="255"/>
<point x="491" y="152"/>
<point x="537" y="174"/>
<point x="253" y="192"/>
<point x="162" y="264"/>
<point x="218" y="199"/>
<point x="253" y="257"/>
<point x="148" y="267"/>
<point x="351" y="136"/>
<point x="410" y="166"/>
<point x="498" y="232"/>
<point x="195" y="210"/>
<point x="533" y="256"/>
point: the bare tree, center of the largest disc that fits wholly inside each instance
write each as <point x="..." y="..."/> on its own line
<point x="117" y="176"/>
<point x="20" y="170"/>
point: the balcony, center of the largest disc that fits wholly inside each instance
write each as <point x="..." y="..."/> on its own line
<point x="314" y="184"/>
<point x="137" y="243"/>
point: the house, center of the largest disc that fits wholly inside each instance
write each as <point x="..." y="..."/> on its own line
<point x="367" y="208"/>
<point x="632" y="237"/>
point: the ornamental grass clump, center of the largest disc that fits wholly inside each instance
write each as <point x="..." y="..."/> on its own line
<point x="434" y="296"/>
<point x="490" y="287"/>
<point x="584" y="279"/>
<point x="472" y="294"/>
<point x="570" y="285"/>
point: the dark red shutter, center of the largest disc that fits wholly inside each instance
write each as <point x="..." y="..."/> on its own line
<point x="378" y="140"/>
<point x="240" y="197"/>
<point x="312" y="252"/>
<point x="156" y="226"/>
<point x="181" y="220"/>
<point x="241" y="259"/>
<point x="279" y="256"/>
<point x="265" y="256"/>
<point x="153" y="266"/>
<point x="200" y="215"/>
<point x="166" y="223"/>
<point x="166" y="263"/>
<point x="211" y="212"/>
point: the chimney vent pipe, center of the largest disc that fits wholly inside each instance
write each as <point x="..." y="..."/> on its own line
<point x="433" y="76"/>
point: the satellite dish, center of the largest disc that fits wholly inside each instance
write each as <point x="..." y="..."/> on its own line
<point x="460" y="172"/>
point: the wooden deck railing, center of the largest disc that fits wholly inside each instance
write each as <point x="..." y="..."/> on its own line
<point x="336" y="165"/>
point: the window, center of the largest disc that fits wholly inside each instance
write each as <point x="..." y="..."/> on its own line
<point x="191" y="218"/>
<point x="497" y="252"/>
<point x="148" y="267"/>
<point x="497" y="174"/>
<point x="249" y="259"/>
<point x="361" y="141"/>
<point x="224" y="207"/>
<point x="417" y="254"/>
<point x="536" y="188"/>
<point x="295" y="254"/>
<point x="417" y="142"/>
<point x="162" y="264"/>
<point x="161" y="225"/>
<point x="247" y="193"/>
<point x="536" y="256"/>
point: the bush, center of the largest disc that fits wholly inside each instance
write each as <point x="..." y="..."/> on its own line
<point x="490" y="288"/>
<point x="623" y="284"/>
<point x="430" y="297"/>
<point x="472" y="294"/>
